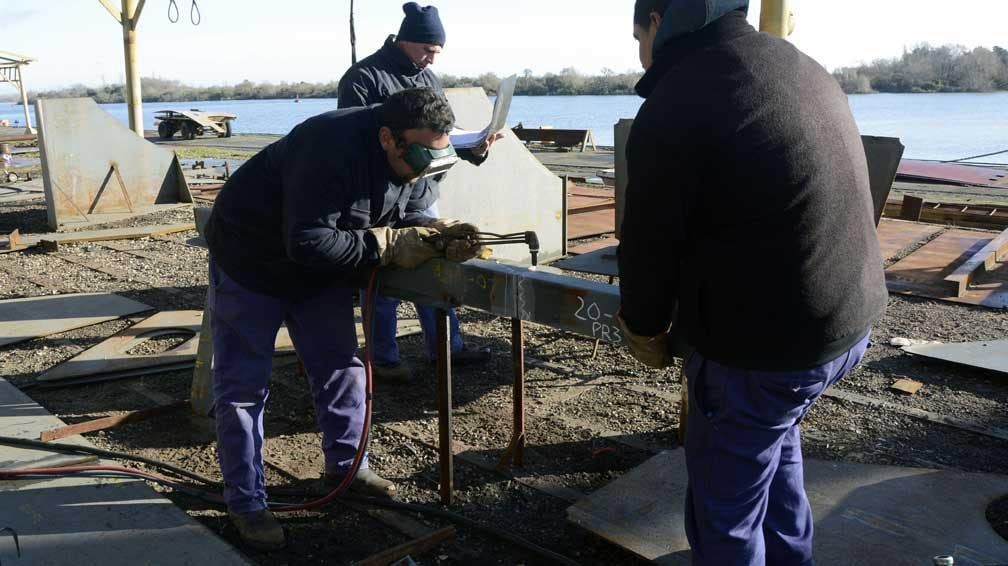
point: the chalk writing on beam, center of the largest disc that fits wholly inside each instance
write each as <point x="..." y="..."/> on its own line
<point x="600" y="327"/>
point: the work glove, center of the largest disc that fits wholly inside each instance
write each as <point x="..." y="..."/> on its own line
<point x="651" y="351"/>
<point x="459" y="238"/>
<point x="406" y="247"/>
<point x="453" y="228"/>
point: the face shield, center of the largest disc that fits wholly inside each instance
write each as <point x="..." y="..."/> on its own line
<point x="426" y="161"/>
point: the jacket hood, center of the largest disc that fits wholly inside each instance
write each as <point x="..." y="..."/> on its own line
<point x="687" y="16"/>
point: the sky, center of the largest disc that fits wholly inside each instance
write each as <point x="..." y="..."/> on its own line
<point x="78" y="42"/>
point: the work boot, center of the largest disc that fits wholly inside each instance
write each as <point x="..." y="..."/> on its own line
<point x="396" y="372"/>
<point x="365" y="483"/>
<point x="259" y="530"/>
<point x="469" y="356"/>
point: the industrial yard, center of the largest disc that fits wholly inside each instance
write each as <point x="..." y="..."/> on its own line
<point x="593" y="414"/>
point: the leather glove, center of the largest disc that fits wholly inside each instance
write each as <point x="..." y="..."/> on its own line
<point x="453" y="228"/>
<point x="460" y="250"/>
<point x="458" y="247"/>
<point x="406" y="247"/>
<point x="651" y="351"/>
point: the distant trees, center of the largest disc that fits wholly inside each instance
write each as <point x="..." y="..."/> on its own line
<point x="925" y="68"/>
<point x="166" y="90"/>
<point x="567" y="82"/>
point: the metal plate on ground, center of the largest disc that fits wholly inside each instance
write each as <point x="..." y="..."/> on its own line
<point x="20" y="417"/>
<point x="85" y="520"/>
<point x="32" y="317"/>
<point x="923" y="272"/>
<point x="864" y="514"/>
<point x="103" y="521"/>
<point x="110" y="357"/>
<point x="991" y="355"/>
<point x="895" y="236"/>
<point x="599" y="262"/>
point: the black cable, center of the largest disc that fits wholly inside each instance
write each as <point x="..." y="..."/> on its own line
<point x="199" y="492"/>
<point x="976" y="156"/>
<point x="194" y="14"/>
<point x="72" y="449"/>
<point x="172" y="4"/>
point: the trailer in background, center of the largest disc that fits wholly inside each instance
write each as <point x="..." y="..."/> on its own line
<point x="191" y="123"/>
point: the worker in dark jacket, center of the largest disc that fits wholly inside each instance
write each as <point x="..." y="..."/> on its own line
<point x="288" y="230"/>
<point x="749" y="228"/>
<point x="404" y="62"/>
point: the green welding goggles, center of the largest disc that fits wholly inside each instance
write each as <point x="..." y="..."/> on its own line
<point x="426" y="161"/>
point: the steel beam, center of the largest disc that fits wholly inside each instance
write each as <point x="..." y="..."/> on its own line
<point x="539" y="295"/>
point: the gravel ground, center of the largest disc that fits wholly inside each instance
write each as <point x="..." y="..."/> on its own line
<point x="590" y="419"/>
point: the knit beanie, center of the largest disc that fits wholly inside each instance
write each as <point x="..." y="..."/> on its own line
<point x="421" y="25"/>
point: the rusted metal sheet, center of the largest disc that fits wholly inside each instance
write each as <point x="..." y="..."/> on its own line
<point x="106" y="423"/>
<point x="96" y="170"/>
<point x="587" y="199"/>
<point x="925" y="271"/>
<point x="953" y="173"/>
<point x="595" y="223"/>
<point x="894" y="236"/>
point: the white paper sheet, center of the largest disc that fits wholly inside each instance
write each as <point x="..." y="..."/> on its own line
<point x="467" y="139"/>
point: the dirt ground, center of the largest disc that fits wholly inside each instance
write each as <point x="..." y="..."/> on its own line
<point x="590" y="419"/>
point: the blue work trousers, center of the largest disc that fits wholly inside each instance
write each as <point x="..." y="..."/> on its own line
<point x="745" y="501"/>
<point x="385" y="348"/>
<point x="244" y="325"/>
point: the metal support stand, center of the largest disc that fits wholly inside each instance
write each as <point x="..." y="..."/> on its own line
<point x="447" y="484"/>
<point x="201" y="392"/>
<point x="514" y="454"/>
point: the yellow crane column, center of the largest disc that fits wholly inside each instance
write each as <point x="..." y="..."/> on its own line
<point x="128" y="16"/>
<point x="776" y="17"/>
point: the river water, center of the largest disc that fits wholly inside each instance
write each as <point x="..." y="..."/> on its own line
<point x="931" y="126"/>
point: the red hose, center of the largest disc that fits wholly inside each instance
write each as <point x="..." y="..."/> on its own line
<point x="366" y="428"/>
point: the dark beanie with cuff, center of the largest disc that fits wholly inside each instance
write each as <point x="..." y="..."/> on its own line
<point x="421" y="25"/>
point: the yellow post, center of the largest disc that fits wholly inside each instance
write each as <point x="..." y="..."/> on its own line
<point x="776" y="17"/>
<point x="133" y="90"/>
<point x="128" y="18"/>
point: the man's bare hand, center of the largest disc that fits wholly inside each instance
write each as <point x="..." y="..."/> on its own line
<point x="484" y="147"/>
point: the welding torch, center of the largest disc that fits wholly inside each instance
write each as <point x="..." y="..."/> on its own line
<point x="529" y="238"/>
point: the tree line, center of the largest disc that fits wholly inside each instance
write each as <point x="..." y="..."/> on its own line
<point x="926" y="68"/>
<point x="567" y="82"/>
